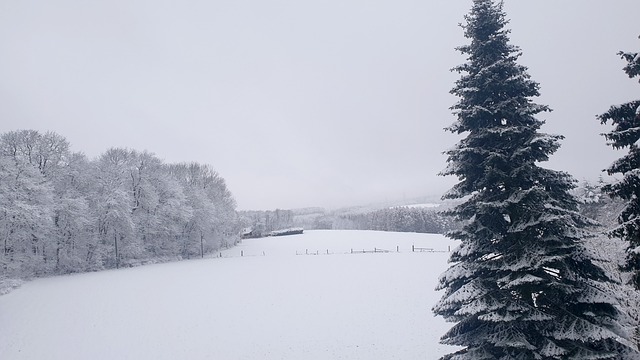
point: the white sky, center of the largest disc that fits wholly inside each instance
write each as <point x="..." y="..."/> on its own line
<point x="299" y="103"/>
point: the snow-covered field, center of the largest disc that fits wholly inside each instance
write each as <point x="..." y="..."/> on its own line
<point x="268" y="304"/>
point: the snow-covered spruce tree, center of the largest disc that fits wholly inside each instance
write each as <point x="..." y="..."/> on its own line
<point x="521" y="285"/>
<point x="626" y="134"/>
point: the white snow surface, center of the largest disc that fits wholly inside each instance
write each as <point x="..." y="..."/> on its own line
<point x="273" y="306"/>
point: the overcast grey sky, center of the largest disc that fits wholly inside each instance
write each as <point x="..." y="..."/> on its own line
<point x="299" y="103"/>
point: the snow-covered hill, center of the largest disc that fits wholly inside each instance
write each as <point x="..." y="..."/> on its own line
<point x="268" y="304"/>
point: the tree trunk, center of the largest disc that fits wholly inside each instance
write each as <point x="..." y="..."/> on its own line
<point x="115" y="243"/>
<point x="58" y="244"/>
<point x="201" y="246"/>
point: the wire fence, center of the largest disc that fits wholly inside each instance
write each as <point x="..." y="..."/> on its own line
<point x="317" y="252"/>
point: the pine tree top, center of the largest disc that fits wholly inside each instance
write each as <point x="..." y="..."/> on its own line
<point x="494" y="87"/>
<point x="633" y="63"/>
<point x="495" y="109"/>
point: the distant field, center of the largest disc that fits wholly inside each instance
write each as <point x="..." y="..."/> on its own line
<point x="268" y="303"/>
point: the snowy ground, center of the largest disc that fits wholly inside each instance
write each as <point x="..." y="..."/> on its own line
<point x="273" y="306"/>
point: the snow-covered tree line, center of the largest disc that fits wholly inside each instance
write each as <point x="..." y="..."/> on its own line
<point x="264" y="222"/>
<point x="401" y="219"/>
<point x="61" y="212"/>
<point x="610" y="252"/>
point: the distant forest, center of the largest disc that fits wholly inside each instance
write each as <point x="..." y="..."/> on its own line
<point x="408" y="218"/>
<point x="400" y="219"/>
